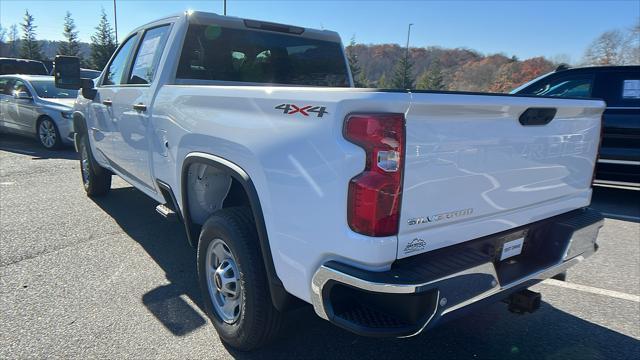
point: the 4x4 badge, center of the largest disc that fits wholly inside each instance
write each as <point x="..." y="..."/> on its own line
<point x="305" y="110"/>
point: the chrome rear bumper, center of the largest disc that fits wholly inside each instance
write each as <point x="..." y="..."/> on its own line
<point x="450" y="290"/>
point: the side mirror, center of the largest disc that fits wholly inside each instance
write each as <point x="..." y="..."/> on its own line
<point x="22" y="95"/>
<point x="66" y="71"/>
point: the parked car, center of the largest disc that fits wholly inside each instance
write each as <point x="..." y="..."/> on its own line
<point x="388" y="211"/>
<point x="89" y="73"/>
<point x="22" y="66"/>
<point x="619" y="87"/>
<point x="32" y="105"/>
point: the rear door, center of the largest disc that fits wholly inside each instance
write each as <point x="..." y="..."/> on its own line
<point x="474" y="169"/>
<point x="620" y="151"/>
<point x="131" y="108"/>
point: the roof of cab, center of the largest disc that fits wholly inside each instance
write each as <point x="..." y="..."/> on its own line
<point x="236" y="22"/>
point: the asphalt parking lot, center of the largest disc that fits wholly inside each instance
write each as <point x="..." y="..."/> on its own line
<point x="110" y="278"/>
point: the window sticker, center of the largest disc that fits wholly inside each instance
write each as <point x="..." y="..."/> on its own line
<point x="631" y="89"/>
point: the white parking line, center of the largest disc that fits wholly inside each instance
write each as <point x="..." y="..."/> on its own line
<point x="620" y="217"/>
<point x="592" y="290"/>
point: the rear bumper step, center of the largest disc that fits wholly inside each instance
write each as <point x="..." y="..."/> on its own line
<point x="419" y="291"/>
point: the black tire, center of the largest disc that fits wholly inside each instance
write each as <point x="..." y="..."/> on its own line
<point x="48" y="134"/>
<point x="259" y="321"/>
<point x="96" y="180"/>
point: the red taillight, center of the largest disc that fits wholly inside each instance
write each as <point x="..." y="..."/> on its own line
<point x="374" y="195"/>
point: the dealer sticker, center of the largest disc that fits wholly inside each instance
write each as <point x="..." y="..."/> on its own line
<point x="511" y="248"/>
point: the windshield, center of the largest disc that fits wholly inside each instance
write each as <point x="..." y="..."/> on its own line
<point x="47" y="89"/>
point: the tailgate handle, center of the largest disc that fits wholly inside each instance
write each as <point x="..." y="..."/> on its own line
<point x="537" y="116"/>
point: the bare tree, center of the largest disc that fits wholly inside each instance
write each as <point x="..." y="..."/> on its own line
<point x="631" y="46"/>
<point x="606" y="49"/>
<point x="14" y="36"/>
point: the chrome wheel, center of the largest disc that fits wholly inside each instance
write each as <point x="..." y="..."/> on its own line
<point x="84" y="164"/>
<point x="223" y="280"/>
<point x="47" y="133"/>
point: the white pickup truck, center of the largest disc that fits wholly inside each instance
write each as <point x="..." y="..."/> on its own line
<point x="388" y="211"/>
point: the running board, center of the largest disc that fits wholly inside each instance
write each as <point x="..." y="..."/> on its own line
<point x="166" y="212"/>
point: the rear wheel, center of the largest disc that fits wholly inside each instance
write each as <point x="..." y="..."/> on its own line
<point x="233" y="280"/>
<point x="95" y="179"/>
<point x="48" y="134"/>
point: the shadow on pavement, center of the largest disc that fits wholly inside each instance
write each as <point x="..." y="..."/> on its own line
<point x="166" y="243"/>
<point x="492" y="333"/>
<point x="30" y="147"/>
<point x="617" y="203"/>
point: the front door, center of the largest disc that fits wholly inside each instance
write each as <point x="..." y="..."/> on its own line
<point x="104" y="119"/>
<point x="131" y="107"/>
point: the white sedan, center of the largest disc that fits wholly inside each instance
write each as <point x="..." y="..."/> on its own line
<point x="32" y="105"/>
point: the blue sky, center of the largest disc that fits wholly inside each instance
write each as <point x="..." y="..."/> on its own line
<point x="522" y="28"/>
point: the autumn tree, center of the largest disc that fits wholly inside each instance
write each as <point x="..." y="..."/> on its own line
<point x="71" y="46"/>
<point x="103" y="43"/>
<point x="30" y="47"/>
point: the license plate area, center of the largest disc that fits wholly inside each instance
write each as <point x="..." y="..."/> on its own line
<point x="510" y="245"/>
<point x="511" y="248"/>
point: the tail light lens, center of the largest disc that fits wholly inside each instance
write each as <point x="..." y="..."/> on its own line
<point x="374" y="195"/>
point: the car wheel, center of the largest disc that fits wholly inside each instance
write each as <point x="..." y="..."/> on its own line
<point x="48" y="134"/>
<point x="96" y="179"/>
<point x="233" y="280"/>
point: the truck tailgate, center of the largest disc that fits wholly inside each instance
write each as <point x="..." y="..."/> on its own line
<point x="472" y="169"/>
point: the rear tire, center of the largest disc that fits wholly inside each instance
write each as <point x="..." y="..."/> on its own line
<point x="228" y="252"/>
<point x="95" y="179"/>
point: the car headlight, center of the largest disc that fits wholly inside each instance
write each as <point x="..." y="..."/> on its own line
<point x="66" y="114"/>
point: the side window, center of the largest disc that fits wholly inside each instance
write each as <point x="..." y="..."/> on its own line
<point x="116" y="69"/>
<point x="148" y="55"/>
<point x="577" y="86"/>
<point x="5" y="86"/>
<point x="619" y="89"/>
<point x="20" y="86"/>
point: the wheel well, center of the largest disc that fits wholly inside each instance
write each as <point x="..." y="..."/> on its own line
<point x="40" y="118"/>
<point x="227" y="185"/>
<point x="209" y="189"/>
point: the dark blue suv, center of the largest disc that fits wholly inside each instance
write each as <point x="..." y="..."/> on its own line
<point x="619" y="87"/>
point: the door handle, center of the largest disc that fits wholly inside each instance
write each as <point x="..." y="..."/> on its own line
<point x="107" y="102"/>
<point x="140" y="107"/>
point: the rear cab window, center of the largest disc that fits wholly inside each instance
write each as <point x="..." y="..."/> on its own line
<point x="212" y="52"/>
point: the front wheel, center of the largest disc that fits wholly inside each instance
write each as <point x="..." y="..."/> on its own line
<point x="48" y="134"/>
<point x="95" y="179"/>
<point x="233" y="280"/>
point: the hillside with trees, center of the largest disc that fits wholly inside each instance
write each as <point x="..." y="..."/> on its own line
<point x="374" y="65"/>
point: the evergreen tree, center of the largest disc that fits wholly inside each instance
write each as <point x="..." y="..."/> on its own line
<point x="70" y="47"/>
<point x="103" y="43"/>
<point x="30" y="46"/>
<point x="382" y="82"/>
<point x="431" y="79"/>
<point x="403" y="77"/>
<point x="354" y="65"/>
